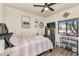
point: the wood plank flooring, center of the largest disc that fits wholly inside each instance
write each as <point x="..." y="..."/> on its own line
<point x="60" y="52"/>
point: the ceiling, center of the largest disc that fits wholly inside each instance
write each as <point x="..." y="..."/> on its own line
<point x="28" y="7"/>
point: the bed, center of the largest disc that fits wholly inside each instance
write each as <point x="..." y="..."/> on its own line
<point x="26" y="44"/>
<point x="31" y="46"/>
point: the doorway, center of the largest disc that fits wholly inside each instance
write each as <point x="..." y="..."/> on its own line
<point x="50" y="32"/>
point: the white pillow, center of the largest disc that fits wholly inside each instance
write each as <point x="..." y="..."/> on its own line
<point x="15" y="40"/>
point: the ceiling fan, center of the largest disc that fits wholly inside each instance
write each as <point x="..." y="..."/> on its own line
<point x="46" y="6"/>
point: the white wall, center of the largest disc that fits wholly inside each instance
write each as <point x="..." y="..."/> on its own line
<point x="2" y="18"/>
<point x="2" y="12"/>
<point x="13" y="21"/>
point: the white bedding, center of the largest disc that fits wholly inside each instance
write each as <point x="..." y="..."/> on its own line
<point x="30" y="47"/>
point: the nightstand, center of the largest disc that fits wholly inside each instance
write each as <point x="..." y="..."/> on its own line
<point x="1" y="47"/>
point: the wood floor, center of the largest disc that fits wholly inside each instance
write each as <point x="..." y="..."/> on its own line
<point x="60" y="52"/>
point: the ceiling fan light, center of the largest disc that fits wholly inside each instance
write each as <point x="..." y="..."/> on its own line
<point x="46" y="8"/>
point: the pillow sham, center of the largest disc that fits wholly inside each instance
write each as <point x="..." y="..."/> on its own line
<point x="15" y="40"/>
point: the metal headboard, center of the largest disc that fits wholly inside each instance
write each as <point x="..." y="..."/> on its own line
<point x="4" y="34"/>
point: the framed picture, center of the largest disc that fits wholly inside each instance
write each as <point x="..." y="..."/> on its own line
<point x="26" y="22"/>
<point x="41" y="25"/>
<point x="68" y="27"/>
<point x="72" y="27"/>
<point x="62" y="27"/>
<point x="36" y="23"/>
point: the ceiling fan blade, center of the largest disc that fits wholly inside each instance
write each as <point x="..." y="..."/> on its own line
<point x="42" y="10"/>
<point x="51" y="4"/>
<point x="38" y="5"/>
<point x="51" y="9"/>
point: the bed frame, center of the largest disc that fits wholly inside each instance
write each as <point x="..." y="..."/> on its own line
<point x="50" y="50"/>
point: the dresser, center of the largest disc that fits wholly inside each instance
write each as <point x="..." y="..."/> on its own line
<point x="69" y="44"/>
<point x="1" y="47"/>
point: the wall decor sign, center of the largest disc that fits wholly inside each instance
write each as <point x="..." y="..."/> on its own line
<point x="36" y="23"/>
<point x="68" y="27"/>
<point x="26" y="22"/>
<point x="66" y="14"/>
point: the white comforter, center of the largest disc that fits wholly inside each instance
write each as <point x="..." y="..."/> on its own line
<point x="30" y="47"/>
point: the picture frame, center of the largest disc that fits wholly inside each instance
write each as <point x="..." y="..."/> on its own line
<point x="36" y="23"/>
<point x="62" y="27"/>
<point x="72" y="27"/>
<point x="26" y="22"/>
<point x="41" y="25"/>
<point x="68" y="27"/>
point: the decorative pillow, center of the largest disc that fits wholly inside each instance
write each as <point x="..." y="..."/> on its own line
<point x="15" y="40"/>
<point x="7" y="42"/>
